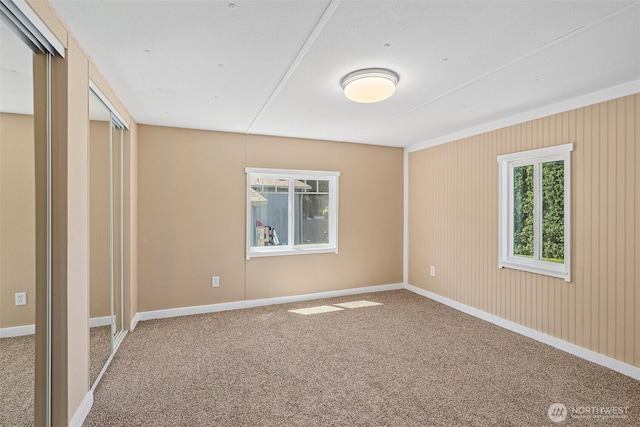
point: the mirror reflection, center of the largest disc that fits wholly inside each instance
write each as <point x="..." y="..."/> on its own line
<point x="21" y="211"/>
<point x="106" y="178"/>
<point x="117" y="134"/>
<point x="100" y="235"/>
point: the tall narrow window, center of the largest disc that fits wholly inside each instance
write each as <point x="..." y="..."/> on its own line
<point x="535" y="211"/>
<point x="291" y="212"/>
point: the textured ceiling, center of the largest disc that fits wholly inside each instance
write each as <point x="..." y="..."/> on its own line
<point x="274" y="67"/>
<point x="16" y="81"/>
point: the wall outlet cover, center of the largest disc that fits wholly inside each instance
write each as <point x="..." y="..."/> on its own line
<point x="21" y="298"/>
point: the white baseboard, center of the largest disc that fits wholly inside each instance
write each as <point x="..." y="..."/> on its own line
<point x="17" y="331"/>
<point x="134" y="322"/>
<point x="101" y="321"/>
<point x="590" y="355"/>
<point x="82" y="411"/>
<point x="237" y="305"/>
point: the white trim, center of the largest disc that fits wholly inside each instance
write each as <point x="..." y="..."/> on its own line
<point x="625" y="89"/>
<point x="134" y="321"/>
<point x="39" y="26"/>
<point x="333" y="177"/>
<point x="49" y="242"/>
<point x="17" y="331"/>
<point x="83" y="410"/>
<point x="524" y="265"/>
<point x="257" y="252"/>
<point x="118" y="338"/>
<point x="101" y="321"/>
<point x="247" y="219"/>
<point x="238" y="305"/>
<point x="581" y="352"/>
<point x="292" y="173"/>
<point x="94" y="87"/>
<point x="537" y="153"/>
<point x="506" y="165"/>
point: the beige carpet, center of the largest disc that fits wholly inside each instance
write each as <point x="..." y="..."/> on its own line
<point x="407" y="362"/>
<point x="100" y="341"/>
<point x="17" y="366"/>
<point x="17" y="370"/>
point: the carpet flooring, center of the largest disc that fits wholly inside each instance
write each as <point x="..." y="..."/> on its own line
<point x="17" y="370"/>
<point x="406" y="362"/>
<point x="17" y="366"/>
<point x="100" y="339"/>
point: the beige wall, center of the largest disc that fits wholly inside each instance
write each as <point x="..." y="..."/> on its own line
<point x="77" y="223"/>
<point x="131" y="224"/>
<point x="17" y="219"/>
<point x="453" y="225"/>
<point x="191" y="202"/>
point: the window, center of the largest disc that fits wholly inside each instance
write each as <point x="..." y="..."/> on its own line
<point x="535" y="211"/>
<point x="291" y="212"/>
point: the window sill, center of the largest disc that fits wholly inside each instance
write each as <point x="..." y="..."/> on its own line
<point x="285" y="251"/>
<point x="560" y="273"/>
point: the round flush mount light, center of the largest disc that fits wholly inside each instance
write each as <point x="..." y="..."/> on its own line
<point x="369" y="85"/>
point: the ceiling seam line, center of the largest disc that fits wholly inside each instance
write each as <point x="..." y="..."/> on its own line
<point x="519" y="59"/>
<point x="622" y="90"/>
<point x="315" y="32"/>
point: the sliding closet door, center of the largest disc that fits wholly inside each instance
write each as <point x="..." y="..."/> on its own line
<point x="25" y="248"/>
<point x="106" y="142"/>
<point x="99" y="235"/>
<point x="117" y="134"/>
<point x="17" y="232"/>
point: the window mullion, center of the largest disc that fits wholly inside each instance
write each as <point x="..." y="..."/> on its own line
<point x="537" y="211"/>
<point x="567" y="213"/>
<point x="333" y="210"/>
<point x="290" y="212"/>
<point x="510" y="229"/>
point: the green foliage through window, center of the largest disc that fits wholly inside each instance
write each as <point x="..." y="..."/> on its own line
<point x="523" y="211"/>
<point x="535" y="211"/>
<point x="552" y="211"/>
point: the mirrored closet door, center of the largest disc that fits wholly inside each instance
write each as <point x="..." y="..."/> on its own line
<point x="25" y="235"/>
<point x="106" y="180"/>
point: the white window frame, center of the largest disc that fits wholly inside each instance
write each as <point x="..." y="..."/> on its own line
<point x="506" y="258"/>
<point x="291" y="248"/>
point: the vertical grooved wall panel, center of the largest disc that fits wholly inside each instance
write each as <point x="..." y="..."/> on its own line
<point x="453" y="225"/>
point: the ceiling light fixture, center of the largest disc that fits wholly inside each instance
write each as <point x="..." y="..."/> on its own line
<point x="369" y="85"/>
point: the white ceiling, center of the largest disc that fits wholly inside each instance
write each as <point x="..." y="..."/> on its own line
<point x="274" y="67"/>
<point x="16" y="81"/>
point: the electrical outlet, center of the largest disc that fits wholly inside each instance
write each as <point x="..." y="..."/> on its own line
<point x="21" y="298"/>
<point x="432" y="270"/>
<point x="215" y="282"/>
